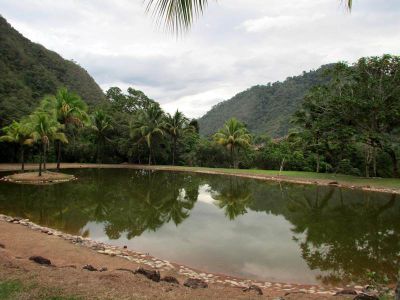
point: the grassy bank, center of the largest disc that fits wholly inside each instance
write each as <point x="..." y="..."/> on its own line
<point x="348" y="180"/>
<point x="291" y="176"/>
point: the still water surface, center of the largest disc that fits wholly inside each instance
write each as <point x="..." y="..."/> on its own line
<point x="243" y="227"/>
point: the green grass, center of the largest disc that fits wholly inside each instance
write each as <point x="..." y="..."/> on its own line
<point x="9" y="288"/>
<point x="15" y="289"/>
<point x="392" y="183"/>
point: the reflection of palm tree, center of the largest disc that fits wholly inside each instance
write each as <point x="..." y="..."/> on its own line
<point x="346" y="238"/>
<point x="233" y="198"/>
<point x="311" y="208"/>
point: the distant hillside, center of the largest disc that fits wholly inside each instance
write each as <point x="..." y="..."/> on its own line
<point x="28" y="71"/>
<point x="264" y="108"/>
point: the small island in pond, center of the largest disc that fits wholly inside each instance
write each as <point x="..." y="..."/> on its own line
<point x="46" y="177"/>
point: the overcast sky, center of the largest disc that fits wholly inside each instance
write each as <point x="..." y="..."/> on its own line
<point x="236" y="44"/>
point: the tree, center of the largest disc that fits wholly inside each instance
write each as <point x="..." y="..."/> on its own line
<point x="233" y="135"/>
<point x="69" y="108"/>
<point x="178" y="15"/>
<point x="146" y="125"/>
<point x="101" y="124"/>
<point x="45" y="128"/>
<point x="176" y="125"/>
<point x="130" y="102"/>
<point x="18" y="133"/>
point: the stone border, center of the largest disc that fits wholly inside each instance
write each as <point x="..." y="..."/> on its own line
<point x="164" y="265"/>
<point x="38" y="182"/>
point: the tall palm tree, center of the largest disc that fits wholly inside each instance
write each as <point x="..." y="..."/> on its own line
<point x="148" y="124"/>
<point x="233" y="135"/>
<point x="178" y="15"/>
<point x="45" y="128"/>
<point x="69" y="108"/>
<point x="176" y="125"/>
<point x="101" y="124"/>
<point x="18" y="133"/>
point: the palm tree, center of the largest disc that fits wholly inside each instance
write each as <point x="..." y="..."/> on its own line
<point x="101" y="124"/>
<point x="148" y="124"/>
<point x="45" y="128"/>
<point x="69" y="108"/>
<point x="18" y="133"/>
<point x="176" y="125"/>
<point x="178" y="15"/>
<point x="233" y="135"/>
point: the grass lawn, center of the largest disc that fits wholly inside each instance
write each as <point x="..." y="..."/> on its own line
<point x="392" y="183"/>
<point x="15" y="289"/>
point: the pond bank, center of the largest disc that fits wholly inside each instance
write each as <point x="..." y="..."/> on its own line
<point x="68" y="254"/>
<point x="391" y="186"/>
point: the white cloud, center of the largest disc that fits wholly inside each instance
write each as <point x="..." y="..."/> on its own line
<point x="236" y="44"/>
<point x="278" y="22"/>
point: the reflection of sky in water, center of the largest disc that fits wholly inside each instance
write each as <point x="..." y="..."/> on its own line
<point x="256" y="245"/>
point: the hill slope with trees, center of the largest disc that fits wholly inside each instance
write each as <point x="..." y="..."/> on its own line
<point x="265" y="109"/>
<point x="28" y="71"/>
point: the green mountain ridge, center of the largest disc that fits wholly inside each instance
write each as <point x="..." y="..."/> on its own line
<point x="265" y="109"/>
<point x="29" y="71"/>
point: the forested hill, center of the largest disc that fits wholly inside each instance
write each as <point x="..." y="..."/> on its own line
<point x="264" y="108"/>
<point x="28" y="71"/>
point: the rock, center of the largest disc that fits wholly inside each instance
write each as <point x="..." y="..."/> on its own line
<point x="40" y="260"/>
<point x="103" y="269"/>
<point x="170" y="279"/>
<point x="150" y="274"/>
<point x="253" y="288"/>
<point x="364" y="296"/>
<point x="126" y="270"/>
<point x="125" y="247"/>
<point x="89" y="268"/>
<point x="2" y="246"/>
<point x="346" y="292"/>
<point x="333" y="183"/>
<point x="370" y="289"/>
<point x="195" y="283"/>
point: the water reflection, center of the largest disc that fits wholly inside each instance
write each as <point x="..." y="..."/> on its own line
<point x="225" y="224"/>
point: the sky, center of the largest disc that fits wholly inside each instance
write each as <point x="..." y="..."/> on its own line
<point x="236" y="44"/>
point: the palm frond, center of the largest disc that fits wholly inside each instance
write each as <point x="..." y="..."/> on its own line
<point x="177" y="15"/>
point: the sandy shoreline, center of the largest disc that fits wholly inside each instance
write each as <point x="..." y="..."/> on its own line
<point x="72" y="252"/>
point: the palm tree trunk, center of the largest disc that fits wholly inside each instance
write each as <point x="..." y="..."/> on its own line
<point x="58" y="155"/>
<point x="44" y="156"/>
<point x="40" y="163"/>
<point x="149" y="156"/>
<point x="173" y="152"/>
<point x="22" y="159"/>
<point x="232" y="159"/>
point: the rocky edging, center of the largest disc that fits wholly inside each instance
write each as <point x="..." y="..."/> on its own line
<point x="195" y="279"/>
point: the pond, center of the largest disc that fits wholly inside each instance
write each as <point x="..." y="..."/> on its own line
<point x="242" y="227"/>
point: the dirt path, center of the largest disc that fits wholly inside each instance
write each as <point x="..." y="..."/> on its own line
<point x="289" y="179"/>
<point x="67" y="278"/>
